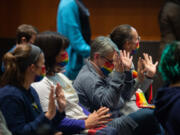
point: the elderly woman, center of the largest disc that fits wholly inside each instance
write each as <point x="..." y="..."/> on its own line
<point x="168" y="97"/>
<point x="19" y="102"/>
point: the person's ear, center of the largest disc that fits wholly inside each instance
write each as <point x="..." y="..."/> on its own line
<point x="127" y="45"/>
<point x="32" y="68"/>
<point x="23" y="40"/>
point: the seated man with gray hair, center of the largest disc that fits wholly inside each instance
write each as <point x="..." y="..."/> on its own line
<point x="96" y="88"/>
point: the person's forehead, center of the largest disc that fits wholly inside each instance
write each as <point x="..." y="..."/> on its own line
<point x="110" y="55"/>
<point x="134" y="32"/>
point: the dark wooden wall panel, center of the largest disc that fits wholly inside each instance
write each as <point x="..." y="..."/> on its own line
<point x="105" y="14"/>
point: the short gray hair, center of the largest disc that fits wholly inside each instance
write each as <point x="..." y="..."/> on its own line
<point x="102" y="45"/>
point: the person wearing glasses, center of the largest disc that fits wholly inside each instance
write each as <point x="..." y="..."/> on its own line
<point x="96" y="87"/>
<point x="78" y="119"/>
<point x="126" y="38"/>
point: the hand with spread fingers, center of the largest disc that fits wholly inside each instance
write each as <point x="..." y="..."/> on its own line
<point x="51" y="107"/>
<point x="117" y="63"/>
<point x="126" y="60"/>
<point x="97" y="118"/>
<point x="149" y="67"/>
<point x="60" y="98"/>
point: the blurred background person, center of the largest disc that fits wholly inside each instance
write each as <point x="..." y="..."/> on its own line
<point x="73" y="23"/>
<point x="169" y="22"/>
<point x="25" y="34"/>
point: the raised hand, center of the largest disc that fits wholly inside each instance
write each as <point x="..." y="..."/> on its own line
<point x="60" y="98"/>
<point x="97" y="118"/>
<point x="140" y="70"/>
<point x="117" y="63"/>
<point x="126" y="60"/>
<point x="51" y="107"/>
<point x="149" y="67"/>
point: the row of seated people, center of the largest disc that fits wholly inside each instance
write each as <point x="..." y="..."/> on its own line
<point x="101" y="98"/>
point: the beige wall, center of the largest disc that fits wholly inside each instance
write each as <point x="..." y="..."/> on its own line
<point x="105" y="14"/>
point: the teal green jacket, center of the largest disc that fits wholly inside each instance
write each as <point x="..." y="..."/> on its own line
<point x="68" y="24"/>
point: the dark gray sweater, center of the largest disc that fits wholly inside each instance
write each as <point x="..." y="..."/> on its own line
<point x="95" y="91"/>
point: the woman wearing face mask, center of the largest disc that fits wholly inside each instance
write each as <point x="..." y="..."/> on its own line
<point x="78" y="119"/>
<point x="19" y="102"/>
<point x="96" y="88"/>
<point x="126" y="38"/>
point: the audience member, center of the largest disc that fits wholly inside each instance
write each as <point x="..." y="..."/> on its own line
<point x="168" y="97"/>
<point x="169" y="22"/>
<point x="127" y="38"/>
<point x="19" y="102"/>
<point x="73" y="22"/>
<point x="24" y="34"/>
<point x="77" y="119"/>
<point x="97" y="88"/>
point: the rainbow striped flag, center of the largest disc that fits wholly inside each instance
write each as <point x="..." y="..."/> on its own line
<point x="134" y="73"/>
<point x="141" y="101"/>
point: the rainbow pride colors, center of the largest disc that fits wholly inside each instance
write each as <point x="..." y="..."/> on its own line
<point x="141" y="101"/>
<point x="134" y="73"/>
<point x="64" y="59"/>
<point x="137" y="47"/>
<point x="43" y="71"/>
<point x="107" y="68"/>
<point x="42" y="75"/>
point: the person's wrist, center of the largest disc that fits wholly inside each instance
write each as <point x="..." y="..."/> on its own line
<point x="149" y="76"/>
<point x="48" y="116"/>
<point x="119" y="70"/>
<point x="87" y="126"/>
<point x="127" y="69"/>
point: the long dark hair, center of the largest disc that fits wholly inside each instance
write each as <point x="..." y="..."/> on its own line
<point x="51" y="44"/>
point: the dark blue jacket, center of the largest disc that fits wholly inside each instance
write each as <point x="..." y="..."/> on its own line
<point x="23" y="112"/>
<point x="168" y="109"/>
